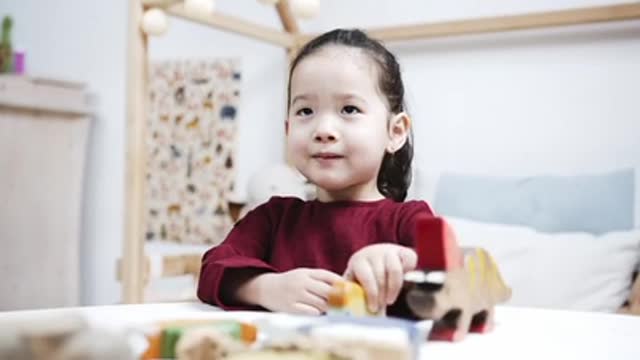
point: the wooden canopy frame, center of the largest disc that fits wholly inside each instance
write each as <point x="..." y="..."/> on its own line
<point x="133" y="267"/>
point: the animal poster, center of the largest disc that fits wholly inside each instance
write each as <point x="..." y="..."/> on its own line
<point x="192" y="131"/>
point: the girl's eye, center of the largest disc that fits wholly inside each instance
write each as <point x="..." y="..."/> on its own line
<point x="304" y="112"/>
<point x="350" y="110"/>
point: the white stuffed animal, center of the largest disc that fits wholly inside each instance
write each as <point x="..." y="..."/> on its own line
<point x="275" y="180"/>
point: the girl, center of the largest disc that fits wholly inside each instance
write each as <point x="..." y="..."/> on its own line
<point x="347" y="132"/>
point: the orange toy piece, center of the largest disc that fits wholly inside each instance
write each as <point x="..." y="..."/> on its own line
<point x="456" y="287"/>
<point x="348" y="298"/>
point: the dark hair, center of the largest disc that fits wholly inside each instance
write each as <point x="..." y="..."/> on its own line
<point x="394" y="177"/>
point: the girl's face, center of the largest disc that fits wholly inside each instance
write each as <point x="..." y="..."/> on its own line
<point x="338" y="123"/>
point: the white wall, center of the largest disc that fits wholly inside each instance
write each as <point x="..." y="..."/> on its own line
<point x="562" y="101"/>
<point x="531" y="102"/>
<point x="535" y="101"/>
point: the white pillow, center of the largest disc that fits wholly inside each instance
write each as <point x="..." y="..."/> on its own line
<point x="576" y="271"/>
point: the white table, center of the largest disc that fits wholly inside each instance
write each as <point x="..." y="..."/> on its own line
<point x="520" y="333"/>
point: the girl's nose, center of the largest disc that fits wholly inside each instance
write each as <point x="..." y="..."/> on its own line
<point x="325" y="131"/>
<point x="324" y="137"/>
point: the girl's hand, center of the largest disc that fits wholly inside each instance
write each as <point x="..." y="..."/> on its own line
<point x="380" y="269"/>
<point x="299" y="291"/>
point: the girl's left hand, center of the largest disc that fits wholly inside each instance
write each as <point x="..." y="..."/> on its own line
<point x="380" y="270"/>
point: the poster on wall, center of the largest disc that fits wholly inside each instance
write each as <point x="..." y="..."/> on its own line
<point x="192" y="131"/>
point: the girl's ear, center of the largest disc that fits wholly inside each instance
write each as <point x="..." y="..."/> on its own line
<point x="399" y="127"/>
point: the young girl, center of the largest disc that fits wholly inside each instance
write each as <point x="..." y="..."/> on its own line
<point x="347" y="132"/>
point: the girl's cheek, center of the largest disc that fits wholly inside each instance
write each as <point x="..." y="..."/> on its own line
<point x="297" y="142"/>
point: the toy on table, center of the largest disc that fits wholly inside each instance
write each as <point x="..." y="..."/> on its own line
<point x="632" y="305"/>
<point x="457" y="288"/>
<point x="349" y="298"/>
<point x="192" y="339"/>
<point x="340" y="337"/>
<point x="61" y="336"/>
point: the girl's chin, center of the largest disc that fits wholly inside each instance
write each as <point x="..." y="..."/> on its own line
<point x="329" y="184"/>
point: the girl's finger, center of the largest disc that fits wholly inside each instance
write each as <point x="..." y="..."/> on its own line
<point x="314" y="300"/>
<point x="326" y="276"/>
<point x="408" y="259"/>
<point x="393" y="266"/>
<point x="363" y="274"/>
<point x="378" y="266"/>
<point x="305" y="309"/>
<point x="319" y="288"/>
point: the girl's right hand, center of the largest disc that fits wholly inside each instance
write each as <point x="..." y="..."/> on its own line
<point x="299" y="291"/>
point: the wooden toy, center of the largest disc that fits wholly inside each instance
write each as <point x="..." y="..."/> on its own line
<point x="94" y="344"/>
<point x="370" y="337"/>
<point x="201" y="337"/>
<point x="339" y="337"/>
<point x="206" y="343"/>
<point x="632" y="305"/>
<point x="62" y="336"/>
<point x="349" y="298"/>
<point x="457" y="288"/>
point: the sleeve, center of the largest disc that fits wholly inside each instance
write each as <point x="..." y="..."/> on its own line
<point x="406" y="222"/>
<point x="245" y="249"/>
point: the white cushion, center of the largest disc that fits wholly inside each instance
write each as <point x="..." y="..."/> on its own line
<point x="576" y="271"/>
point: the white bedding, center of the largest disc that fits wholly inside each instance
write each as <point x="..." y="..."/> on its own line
<point x="576" y="271"/>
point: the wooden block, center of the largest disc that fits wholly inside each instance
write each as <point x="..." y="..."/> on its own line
<point x="436" y="244"/>
<point x="348" y="298"/>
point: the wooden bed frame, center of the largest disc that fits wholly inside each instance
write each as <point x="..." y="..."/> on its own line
<point x="291" y="39"/>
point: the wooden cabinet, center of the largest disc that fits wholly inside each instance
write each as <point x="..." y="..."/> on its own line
<point x="44" y="127"/>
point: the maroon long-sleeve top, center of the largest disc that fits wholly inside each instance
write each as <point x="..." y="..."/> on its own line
<point x="288" y="233"/>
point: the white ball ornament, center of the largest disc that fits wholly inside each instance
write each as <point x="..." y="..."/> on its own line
<point x="154" y="22"/>
<point x="304" y="9"/>
<point x="200" y="6"/>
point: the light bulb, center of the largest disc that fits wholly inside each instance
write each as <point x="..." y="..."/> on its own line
<point x="154" y="22"/>
<point x="200" y="6"/>
<point x="304" y="9"/>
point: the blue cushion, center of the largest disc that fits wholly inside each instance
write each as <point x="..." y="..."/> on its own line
<point x="590" y="203"/>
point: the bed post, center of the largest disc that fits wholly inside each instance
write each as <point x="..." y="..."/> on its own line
<point x="133" y="246"/>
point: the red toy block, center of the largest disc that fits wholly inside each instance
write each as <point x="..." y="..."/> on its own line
<point x="436" y="244"/>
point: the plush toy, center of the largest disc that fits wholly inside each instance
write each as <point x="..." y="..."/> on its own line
<point x="275" y="180"/>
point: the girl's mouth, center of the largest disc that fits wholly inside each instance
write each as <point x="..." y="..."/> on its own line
<point x="327" y="156"/>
